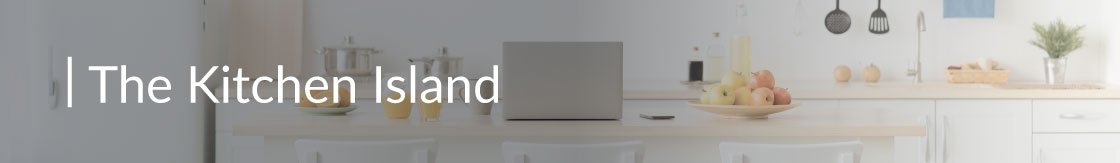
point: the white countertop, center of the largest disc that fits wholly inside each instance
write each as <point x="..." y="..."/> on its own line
<point x="822" y="90"/>
<point x="369" y="120"/>
<point x="887" y="90"/>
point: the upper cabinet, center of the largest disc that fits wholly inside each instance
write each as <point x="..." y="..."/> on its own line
<point x="994" y="131"/>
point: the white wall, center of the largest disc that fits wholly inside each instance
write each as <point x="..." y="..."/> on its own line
<point x="1112" y="48"/>
<point x="659" y="34"/>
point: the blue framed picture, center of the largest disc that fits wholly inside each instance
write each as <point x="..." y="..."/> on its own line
<point x="969" y="9"/>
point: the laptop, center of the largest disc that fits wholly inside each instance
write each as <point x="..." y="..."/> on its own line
<point x="561" y="80"/>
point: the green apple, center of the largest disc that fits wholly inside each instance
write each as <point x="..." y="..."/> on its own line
<point x="742" y="96"/>
<point x="704" y="98"/>
<point x="734" y="79"/>
<point x="721" y="95"/>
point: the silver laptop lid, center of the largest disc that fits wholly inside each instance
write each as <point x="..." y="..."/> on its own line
<point x="562" y="80"/>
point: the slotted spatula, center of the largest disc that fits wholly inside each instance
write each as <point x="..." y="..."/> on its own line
<point x="879" y="23"/>
<point x="837" y="21"/>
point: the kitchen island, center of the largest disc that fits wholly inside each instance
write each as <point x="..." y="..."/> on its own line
<point x="692" y="136"/>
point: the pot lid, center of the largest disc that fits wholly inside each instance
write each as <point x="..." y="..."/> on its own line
<point x="348" y="46"/>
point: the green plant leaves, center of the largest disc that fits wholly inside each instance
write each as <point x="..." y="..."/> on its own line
<point x="1058" y="39"/>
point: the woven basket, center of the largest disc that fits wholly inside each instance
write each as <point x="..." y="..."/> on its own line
<point x="977" y="76"/>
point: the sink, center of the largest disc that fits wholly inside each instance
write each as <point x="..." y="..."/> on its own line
<point x="1048" y="86"/>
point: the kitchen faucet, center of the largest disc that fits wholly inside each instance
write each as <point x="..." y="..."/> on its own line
<point x="916" y="72"/>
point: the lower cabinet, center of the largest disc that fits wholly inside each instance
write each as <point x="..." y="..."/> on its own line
<point x="958" y="131"/>
<point x="1076" y="148"/>
<point x="238" y="149"/>
<point x="907" y="149"/>
<point x="988" y="131"/>
<point x="1076" y="131"/>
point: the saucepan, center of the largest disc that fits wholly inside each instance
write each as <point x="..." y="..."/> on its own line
<point x="348" y="59"/>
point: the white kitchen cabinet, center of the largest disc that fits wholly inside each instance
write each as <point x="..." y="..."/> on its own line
<point x="1076" y="148"/>
<point x="907" y="149"/>
<point x="238" y="149"/>
<point x="988" y="131"/>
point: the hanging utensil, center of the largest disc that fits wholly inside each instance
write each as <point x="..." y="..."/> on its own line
<point x="837" y="21"/>
<point x="879" y="23"/>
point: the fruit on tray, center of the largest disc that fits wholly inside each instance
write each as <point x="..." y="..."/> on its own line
<point x="721" y="95"/>
<point x="742" y="95"/>
<point x="306" y="102"/>
<point x="761" y="97"/>
<point x="343" y="99"/>
<point x="735" y="89"/>
<point x="781" y="96"/>
<point x="734" y="79"/>
<point x="762" y="79"/>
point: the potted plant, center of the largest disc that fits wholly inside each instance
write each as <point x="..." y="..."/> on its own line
<point x="1058" y="40"/>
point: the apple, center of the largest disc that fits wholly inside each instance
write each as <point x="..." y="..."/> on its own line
<point x="762" y="79"/>
<point x="704" y="98"/>
<point x="742" y="95"/>
<point x="734" y="79"/>
<point x="721" y="95"/>
<point x="781" y="96"/>
<point x="761" y="97"/>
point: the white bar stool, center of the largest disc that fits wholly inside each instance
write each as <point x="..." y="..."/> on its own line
<point x="842" y="152"/>
<point x="399" y="151"/>
<point x="621" y="152"/>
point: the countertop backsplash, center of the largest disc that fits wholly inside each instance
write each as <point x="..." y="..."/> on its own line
<point x="658" y="35"/>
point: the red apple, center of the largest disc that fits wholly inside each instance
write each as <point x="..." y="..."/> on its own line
<point x="762" y="79"/>
<point x="761" y="97"/>
<point x="781" y="96"/>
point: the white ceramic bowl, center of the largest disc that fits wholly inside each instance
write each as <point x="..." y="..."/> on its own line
<point x="742" y="111"/>
<point x="327" y="111"/>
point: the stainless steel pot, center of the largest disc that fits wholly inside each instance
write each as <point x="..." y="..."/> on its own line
<point x="441" y="65"/>
<point x="348" y="59"/>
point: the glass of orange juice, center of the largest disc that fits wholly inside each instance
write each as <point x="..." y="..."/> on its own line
<point x="399" y="110"/>
<point x="429" y="111"/>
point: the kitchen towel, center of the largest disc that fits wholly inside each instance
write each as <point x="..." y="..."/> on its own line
<point x="969" y="9"/>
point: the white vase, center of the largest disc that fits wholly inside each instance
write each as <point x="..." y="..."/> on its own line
<point x="1055" y="70"/>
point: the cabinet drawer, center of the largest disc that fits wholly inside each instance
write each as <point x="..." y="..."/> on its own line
<point x="1076" y="148"/>
<point x="1077" y="116"/>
